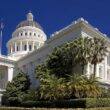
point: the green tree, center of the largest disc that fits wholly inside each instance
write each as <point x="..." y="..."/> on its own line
<point x="16" y="89"/>
<point x="75" y="86"/>
<point x="83" y="86"/>
<point x="91" y="85"/>
<point x="51" y="87"/>
<point x="81" y="47"/>
<point x="58" y="61"/>
<point x="63" y="60"/>
<point x="98" y="52"/>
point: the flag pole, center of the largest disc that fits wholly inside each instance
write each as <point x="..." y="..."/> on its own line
<point x="1" y="34"/>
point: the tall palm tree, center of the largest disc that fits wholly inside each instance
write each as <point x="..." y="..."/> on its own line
<point x="98" y="52"/>
<point x="82" y="47"/>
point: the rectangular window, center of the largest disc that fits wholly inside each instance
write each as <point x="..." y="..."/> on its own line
<point x="101" y="71"/>
<point x="30" y="47"/>
<point x="108" y="74"/>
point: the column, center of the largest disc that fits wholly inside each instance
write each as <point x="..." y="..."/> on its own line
<point x="21" y="45"/>
<point x="1" y="97"/>
<point x="88" y="69"/>
<point x="27" y="46"/>
<point x="10" y="73"/>
<point x="15" y="46"/>
<point x="11" y="49"/>
<point x="39" y="44"/>
<point x="33" y="45"/>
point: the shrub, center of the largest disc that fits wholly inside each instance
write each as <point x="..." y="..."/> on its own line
<point x="73" y="103"/>
<point x="37" y="104"/>
<point x="100" y="102"/>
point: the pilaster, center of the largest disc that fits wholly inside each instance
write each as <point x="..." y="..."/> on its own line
<point x="10" y="73"/>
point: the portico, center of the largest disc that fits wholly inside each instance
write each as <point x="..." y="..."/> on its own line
<point x="6" y="73"/>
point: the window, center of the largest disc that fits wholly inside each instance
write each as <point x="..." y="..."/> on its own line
<point x="108" y="74"/>
<point x="34" y="34"/>
<point x="1" y="75"/>
<point x="25" y="33"/>
<point x="30" y="33"/>
<point x="34" y="47"/>
<point x="25" y="47"/>
<point x="21" y="34"/>
<point x="91" y="69"/>
<point x="38" y="35"/>
<point x="101" y="71"/>
<point x="30" y="47"/>
<point x="17" y="48"/>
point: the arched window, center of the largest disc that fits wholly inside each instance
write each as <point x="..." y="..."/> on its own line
<point x="21" y="34"/>
<point x="25" y="33"/>
<point x="34" y="34"/>
<point x="25" y="47"/>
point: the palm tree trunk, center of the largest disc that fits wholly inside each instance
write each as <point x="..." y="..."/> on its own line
<point x="95" y="70"/>
<point x="82" y="69"/>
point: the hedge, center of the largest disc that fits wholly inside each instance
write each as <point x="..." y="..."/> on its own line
<point x="46" y="104"/>
<point x="100" y="102"/>
<point x="73" y="103"/>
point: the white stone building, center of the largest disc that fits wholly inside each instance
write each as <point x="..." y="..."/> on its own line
<point x="29" y="47"/>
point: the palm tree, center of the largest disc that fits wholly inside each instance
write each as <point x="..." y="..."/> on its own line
<point x="98" y="52"/>
<point x="83" y="86"/>
<point x="52" y="88"/>
<point x="82" y="47"/>
<point x="91" y="85"/>
<point x="75" y="86"/>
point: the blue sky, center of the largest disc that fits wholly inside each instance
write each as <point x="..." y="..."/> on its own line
<point x="54" y="14"/>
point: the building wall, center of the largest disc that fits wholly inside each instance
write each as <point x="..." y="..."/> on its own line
<point x="66" y="35"/>
<point x="29" y="62"/>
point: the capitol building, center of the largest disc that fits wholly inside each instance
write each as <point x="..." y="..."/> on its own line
<point x="29" y="47"/>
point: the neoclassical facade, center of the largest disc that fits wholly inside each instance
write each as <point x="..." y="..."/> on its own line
<point x="29" y="47"/>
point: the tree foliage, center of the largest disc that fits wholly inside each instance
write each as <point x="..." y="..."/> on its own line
<point x="17" y="89"/>
<point x="51" y="87"/>
<point x="83" y="86"/>
<point x="82" y="50"/>
<point x="57" y="77"/>
<point x="98" y="52"/>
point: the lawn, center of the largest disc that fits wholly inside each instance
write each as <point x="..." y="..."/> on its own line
<point x="18" y="108"/>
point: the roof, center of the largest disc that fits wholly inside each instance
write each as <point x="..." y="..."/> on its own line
<point x="29" y="22"/>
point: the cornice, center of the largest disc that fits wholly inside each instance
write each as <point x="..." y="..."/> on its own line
<point x="5" y="58"/>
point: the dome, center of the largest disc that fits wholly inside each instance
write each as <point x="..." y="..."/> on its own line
<point x="27" y="39"/>
<point x="29" y="22"/>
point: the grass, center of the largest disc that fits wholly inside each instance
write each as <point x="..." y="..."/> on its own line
<point x="18" y="108"/>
